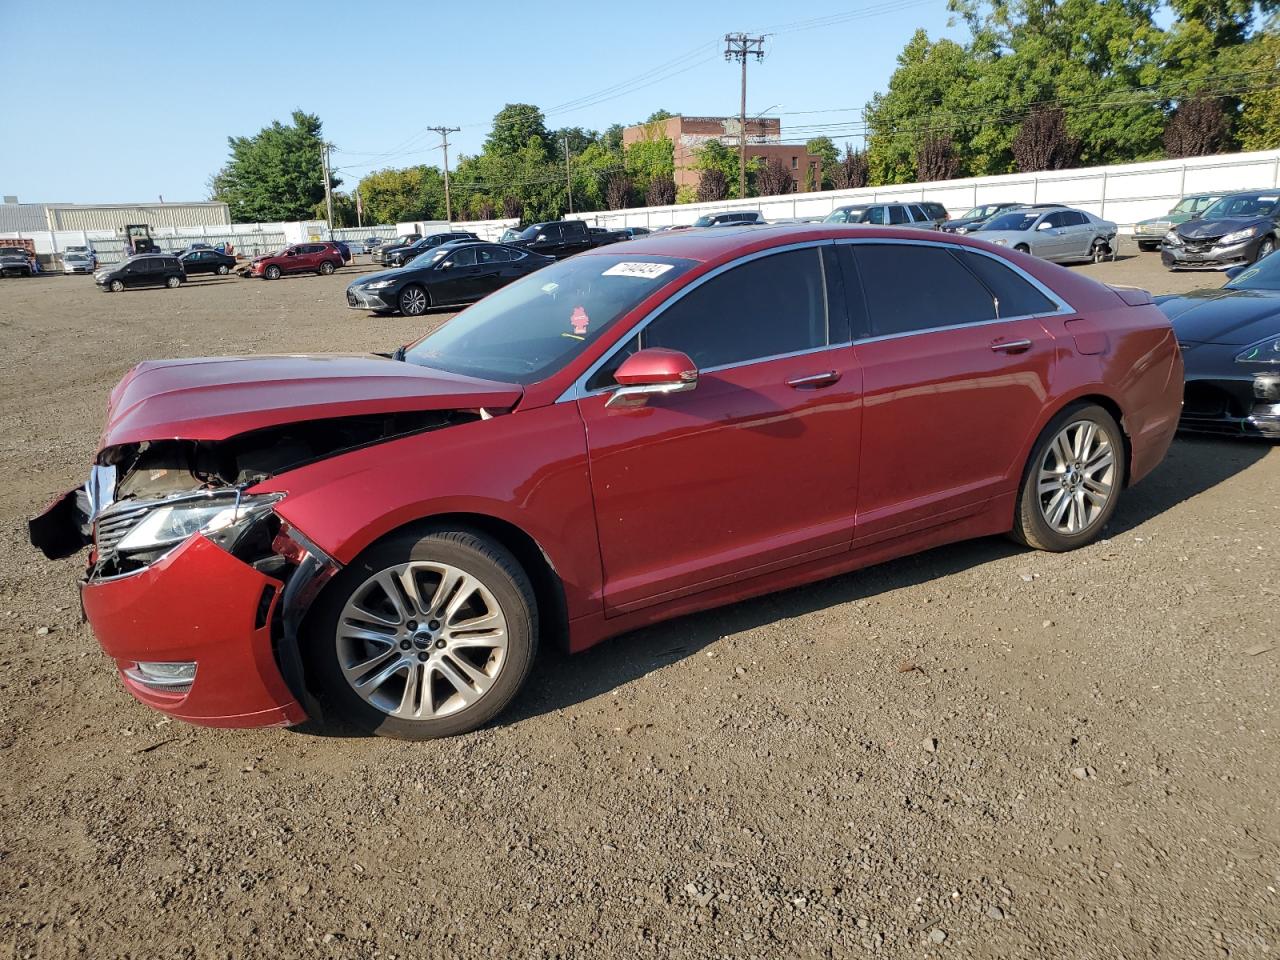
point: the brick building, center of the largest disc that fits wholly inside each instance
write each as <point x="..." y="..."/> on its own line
<point x="764" y="140"/>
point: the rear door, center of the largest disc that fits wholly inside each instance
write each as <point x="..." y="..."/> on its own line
<point x="955" y="376"/>
<point x="756" y="468"/>
<point x="575" y="237"/>
<point x="898" y="216"/>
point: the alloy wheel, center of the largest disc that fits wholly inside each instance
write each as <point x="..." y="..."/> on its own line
<point x="1265" y="248"/>
<point x="1077" y="477"/>
<point x="422" y="640"/>
<point x="413" y="302"/>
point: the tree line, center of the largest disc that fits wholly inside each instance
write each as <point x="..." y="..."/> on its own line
<point x="1038" y="85"/>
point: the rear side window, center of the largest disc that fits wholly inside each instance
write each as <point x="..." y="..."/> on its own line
<point x="1075" y="218"/>
<point x="1015" y="297"/>
<point x="919" y="214"/>
<point x="574" y="228"/>
<point x="898" y="215"/>
<point x="766" y="307"/>
<point x="910" y="288"/>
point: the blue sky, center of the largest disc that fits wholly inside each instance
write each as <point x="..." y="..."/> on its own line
<point x="132" y="102"/>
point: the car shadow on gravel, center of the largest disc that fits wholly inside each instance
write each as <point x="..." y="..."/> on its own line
<point x="559" y="680"/>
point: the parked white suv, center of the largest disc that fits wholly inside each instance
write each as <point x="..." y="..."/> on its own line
<point x="922" y="216"/>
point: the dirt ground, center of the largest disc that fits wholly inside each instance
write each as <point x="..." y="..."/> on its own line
<point x="1082" y="764"/>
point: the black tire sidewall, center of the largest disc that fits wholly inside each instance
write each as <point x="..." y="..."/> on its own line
<point x="1262" y="243"/>
<point x="1031" y="527"/>
<point x="478" y="555"/>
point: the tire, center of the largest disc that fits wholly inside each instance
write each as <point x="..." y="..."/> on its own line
<point x="1148" y="247"/>
<point x="117" y="286"/>
<point x="272" y="272"/>
<point x="326" y="268"/>
<point x="418" y="643"/>
<point x="173" y="283"/>
<point x="1022" y="248"/>
<point x="414" y="301"/>
<point x="1099" y="251"/>
<point x="1042" y="519"/>
<point x="1265" y="248"/>
<point x="223" y="269"/>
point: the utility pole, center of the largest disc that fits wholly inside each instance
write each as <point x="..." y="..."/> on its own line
<point x="328" y="187"/>
<point x="568" y="177"/>
<point x="444" y="137"/>
<point x="739" y="46"/>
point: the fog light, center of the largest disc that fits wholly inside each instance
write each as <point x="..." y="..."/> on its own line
<point x="1266" y="387"/>
<point x="163" y="677"/>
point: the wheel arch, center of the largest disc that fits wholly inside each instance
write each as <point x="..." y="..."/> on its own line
<point x="1088" y="395"/>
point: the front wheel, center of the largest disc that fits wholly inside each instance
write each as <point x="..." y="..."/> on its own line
<point x="1265" y="248"/>
<point x="326" y="268"/>
<point x="1072" y="482"/>
<point x="223" y="269"/>
<point x="117" y="286"/>
<point x="427" y="634"/>
<point x="272" y="272"/>
<point x="1100" y="251"/>
<point x="414" y="301"/>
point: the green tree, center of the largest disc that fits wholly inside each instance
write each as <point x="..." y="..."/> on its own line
<point x="399" y="195"/>
<point x="277" y="174"/>
<point x="513" y="126"/>
<point x="1259" y="125"/>
<point x="825" y="148"/>
<point x="715" y="155"/>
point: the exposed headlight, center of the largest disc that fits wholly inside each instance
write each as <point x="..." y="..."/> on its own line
<point x="1264" y="351"/>
<point x="1173" y="239"/>
<point x="378" y="284"/>
<point x="1239" y="235"/>
<point x="962" y="229"/>
<point x="1001" y="242"/>
<point x="170" y="525"/>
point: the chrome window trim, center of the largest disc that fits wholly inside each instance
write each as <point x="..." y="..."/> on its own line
<point x="578" y="389"/>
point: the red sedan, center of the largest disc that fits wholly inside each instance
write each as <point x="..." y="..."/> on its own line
<point x="624" y="436"/>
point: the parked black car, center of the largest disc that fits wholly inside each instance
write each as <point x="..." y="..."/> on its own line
<point x="207" y="261"/>
<point x="976" y="217"/>
<point x="563" y="238"/>
<point x="1238" y="229"/>
<point x="142" y="270"/>
<point x="454" y="273"/>
<point x="398" y="258"/>
<point x="730" y="216"/>
<point x="343" y="249"/>
<point x="379" y="255"/>
<point x="1230" y="339"/>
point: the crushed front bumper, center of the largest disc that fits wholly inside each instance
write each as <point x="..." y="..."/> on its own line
<point x="1217" y="257"/>
<point x="198" y="604"/>
<point x="1239" y="407"/>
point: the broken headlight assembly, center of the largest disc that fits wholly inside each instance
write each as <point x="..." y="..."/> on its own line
<point x="1264" y="351"/>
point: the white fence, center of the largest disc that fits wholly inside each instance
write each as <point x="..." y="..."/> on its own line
<point x="1124" y="193"/>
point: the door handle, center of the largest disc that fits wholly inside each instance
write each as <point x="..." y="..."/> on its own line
<point x="815" y="381"/>
<point x="1011" y="346"/>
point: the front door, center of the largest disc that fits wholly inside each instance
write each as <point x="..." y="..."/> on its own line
<point x="955" y="372"/>
<point x="753" y="470"/>
<point x="459" y="282"/>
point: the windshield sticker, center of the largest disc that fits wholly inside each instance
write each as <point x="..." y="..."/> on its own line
<point x="1268" y="199"/>
<point x="645" y="271"/>
<point x="550" y="287"/>
<point x="580" y="320"/>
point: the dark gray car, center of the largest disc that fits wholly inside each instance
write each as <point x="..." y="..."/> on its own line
<point x="1239" y="229"/>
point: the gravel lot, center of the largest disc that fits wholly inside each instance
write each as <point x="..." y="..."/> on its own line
<point x="977" y="752"/>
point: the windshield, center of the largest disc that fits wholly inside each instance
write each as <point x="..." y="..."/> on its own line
<point x="12" y="252"/>
<point x="982" y="212"/>
<point x="533" y="327"/>
<point x="705" y="220"/>
<point x="1263" y="275"/>
<point x="530" y="233"/>
<point x="846" y="215"/>
<point x="1244" y="205"/>
<point x="430" y="257"/>
<point x="510" y="234"/>
<point x="1011" y="221"/>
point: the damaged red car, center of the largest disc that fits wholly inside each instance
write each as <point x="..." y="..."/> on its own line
<point x="622" y="437"/>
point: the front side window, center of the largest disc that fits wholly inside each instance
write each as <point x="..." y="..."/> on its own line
<point x="466" y="257"/>
<point x="875" y="215"/>
<point x="533" y="327"/>
<point x="773" y="305"/>
<point x="909" y="288"/>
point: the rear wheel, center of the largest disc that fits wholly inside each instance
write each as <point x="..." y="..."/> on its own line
<point x="414" y="301"/>
<point x="326" y="268"/>
<point x="272" y="272"/>
<point x="1147" y="247"/>
<point x="1072" y="482"/>
<point x="427" y="634"/>
<point x="1265" y="248"/>
<point x="1022" y="248"/>
<point x="173" y="282"/>
<point x="1099" y="251"/>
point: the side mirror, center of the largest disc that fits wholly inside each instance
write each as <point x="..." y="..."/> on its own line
<point x="540" y="237"/>
<point x="289" y="253"/>
<point x="1044" y="225"/>
<point x="653" y="372"/>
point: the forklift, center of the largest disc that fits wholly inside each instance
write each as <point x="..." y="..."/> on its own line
<point x="137" y="239"/>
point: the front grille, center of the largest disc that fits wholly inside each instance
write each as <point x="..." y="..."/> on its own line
<point x="112" y="526"/>
<point x="1202" y="245"/>
<point x="1201" y="399"/>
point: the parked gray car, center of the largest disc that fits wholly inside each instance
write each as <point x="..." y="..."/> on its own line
<point x="1051" y="233"/>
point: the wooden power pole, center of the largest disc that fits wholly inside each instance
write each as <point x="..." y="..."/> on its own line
<point x="444" y="137"/>
<point x="739" y="46"/>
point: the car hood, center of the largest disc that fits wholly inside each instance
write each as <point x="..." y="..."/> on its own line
<point x="212" y="398"/>
<point x="1196" y="229"/>
<point x="368" y="278"/>
<point x="1230" y="317"/>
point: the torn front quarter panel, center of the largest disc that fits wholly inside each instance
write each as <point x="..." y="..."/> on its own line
<point x="64" y="527"/>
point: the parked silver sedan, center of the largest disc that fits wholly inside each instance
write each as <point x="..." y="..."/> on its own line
<point x="1052" y="233"/>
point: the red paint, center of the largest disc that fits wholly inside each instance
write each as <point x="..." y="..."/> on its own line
<point x="747" y="483"/>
